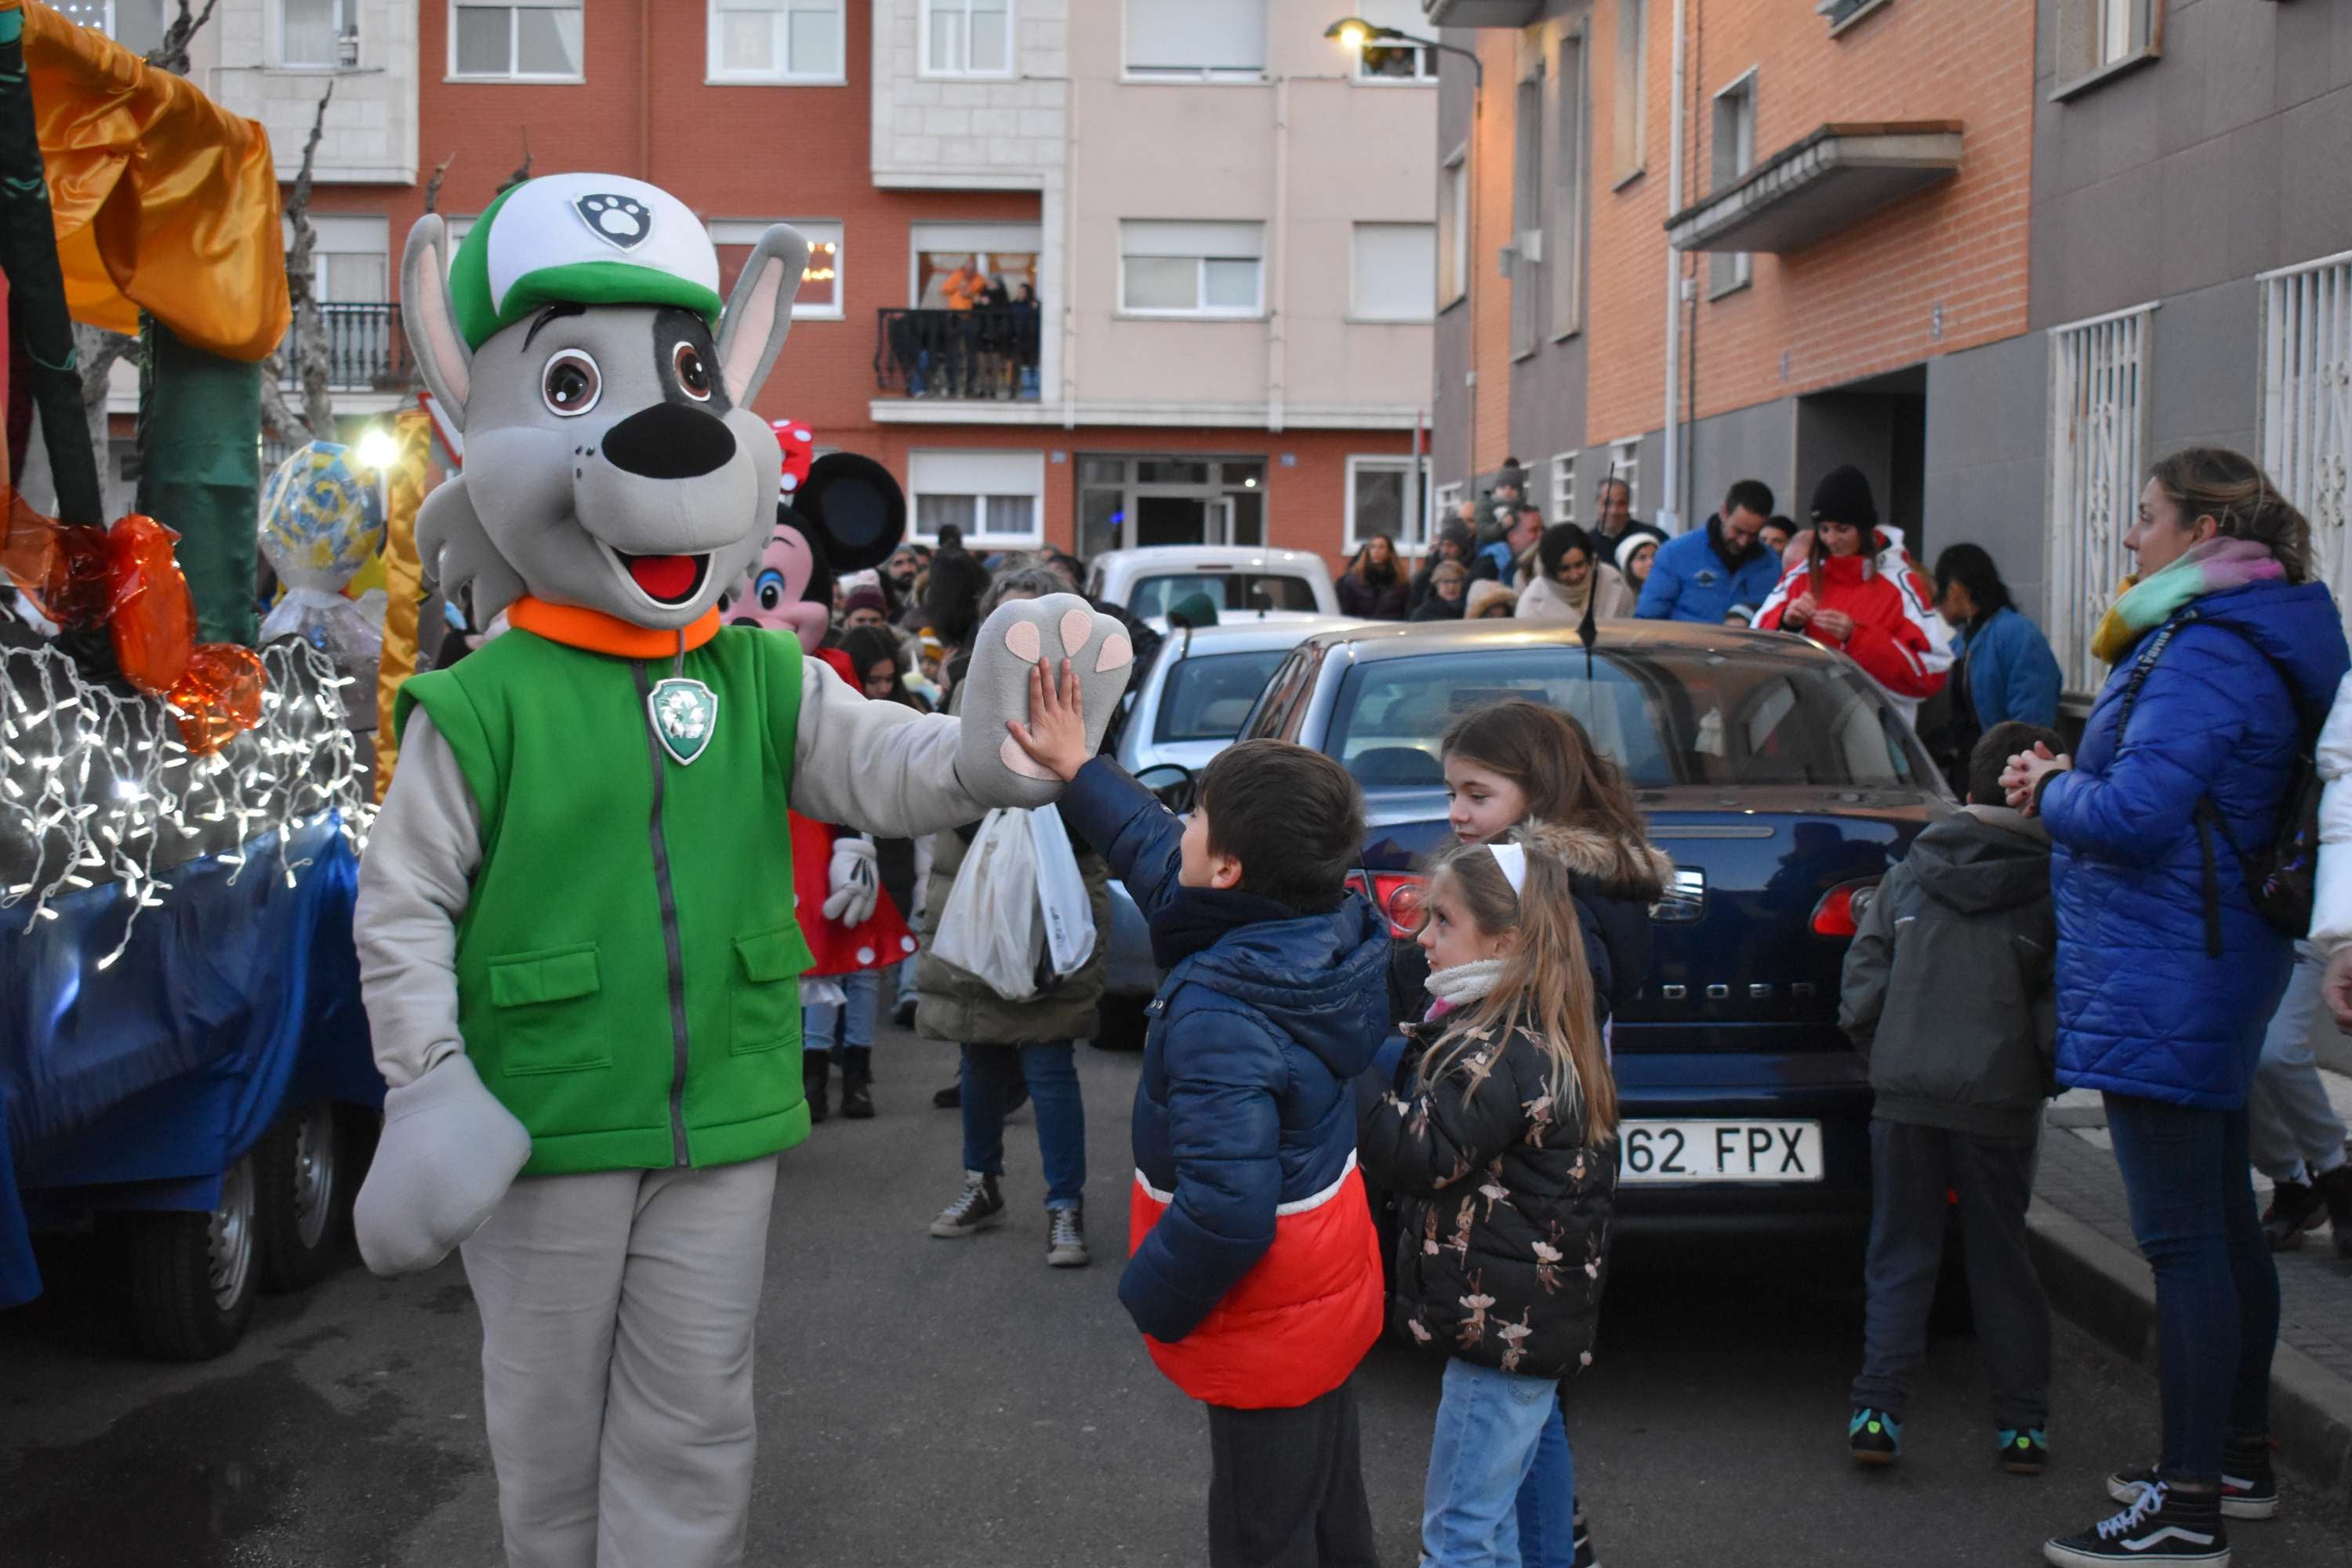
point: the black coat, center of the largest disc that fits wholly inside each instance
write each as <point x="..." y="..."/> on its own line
<point x="1436" y="607"/>
<point x="1503" y="1247"/>
<point x="1373" y="601"/>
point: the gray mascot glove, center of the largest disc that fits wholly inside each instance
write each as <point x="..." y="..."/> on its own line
<point x="856" y="883"/>
<point x="448" y="1153"/>
<point x="1016" y="638"/>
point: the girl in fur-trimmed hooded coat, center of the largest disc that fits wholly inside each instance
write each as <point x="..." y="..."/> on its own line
<point x="1495" y="1135"/>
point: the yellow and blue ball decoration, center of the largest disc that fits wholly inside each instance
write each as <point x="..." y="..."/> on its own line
<point x="321" y="520"/>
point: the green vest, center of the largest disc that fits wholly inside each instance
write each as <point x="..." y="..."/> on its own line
<point x="629" y="965"/>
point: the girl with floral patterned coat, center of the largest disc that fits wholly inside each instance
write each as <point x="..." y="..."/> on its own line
<point x="1496" y="1138"/>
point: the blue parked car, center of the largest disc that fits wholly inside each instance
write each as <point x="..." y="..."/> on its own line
<point x="1782" y="784"/>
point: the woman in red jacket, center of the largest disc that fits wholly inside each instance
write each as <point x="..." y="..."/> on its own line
<point x="1842" y="596"/>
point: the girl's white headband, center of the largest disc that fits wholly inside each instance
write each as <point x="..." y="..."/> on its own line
<point x="1513" y="860"/>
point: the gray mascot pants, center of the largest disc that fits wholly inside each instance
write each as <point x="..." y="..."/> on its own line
<point x="617" y="1310"/>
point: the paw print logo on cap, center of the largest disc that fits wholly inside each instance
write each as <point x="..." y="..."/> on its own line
<point x="623" y="222"/>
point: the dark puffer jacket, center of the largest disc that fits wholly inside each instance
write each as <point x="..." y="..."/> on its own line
<point x="1503" y="1249"/>
<point x="2144" y="1008"/>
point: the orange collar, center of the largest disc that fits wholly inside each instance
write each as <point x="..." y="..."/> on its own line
<point x="575" y="626"/>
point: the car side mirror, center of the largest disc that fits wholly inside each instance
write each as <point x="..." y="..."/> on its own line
<point x="1172" y="783"/>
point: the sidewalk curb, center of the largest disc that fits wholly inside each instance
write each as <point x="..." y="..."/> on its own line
<point x="2108" y="1290"/>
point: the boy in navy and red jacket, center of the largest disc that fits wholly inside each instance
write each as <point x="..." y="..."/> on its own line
<point x="1255" y="1274"/>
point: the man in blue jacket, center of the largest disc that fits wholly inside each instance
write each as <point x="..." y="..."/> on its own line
<point x="1719" y="573"/>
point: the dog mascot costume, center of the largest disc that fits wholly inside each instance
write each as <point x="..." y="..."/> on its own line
<point x="586" y="1009"/>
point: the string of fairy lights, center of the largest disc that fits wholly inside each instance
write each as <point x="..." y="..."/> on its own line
<point x="96" y="786"/>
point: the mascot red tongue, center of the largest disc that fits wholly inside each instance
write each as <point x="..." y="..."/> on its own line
<point x="666" y="577"/>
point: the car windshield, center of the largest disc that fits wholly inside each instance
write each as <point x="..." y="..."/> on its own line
<point x="1226" y="590"/>
<point x="1208" y="695"/>
<point x="1666" y="716"/>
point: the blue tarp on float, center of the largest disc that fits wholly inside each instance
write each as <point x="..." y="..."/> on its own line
<point x="136" y="1085"/>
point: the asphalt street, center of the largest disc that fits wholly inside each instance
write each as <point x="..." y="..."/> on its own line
<point x="958" y="1404"/>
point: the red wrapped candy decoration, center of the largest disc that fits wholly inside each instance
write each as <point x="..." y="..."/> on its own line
<point x="153" y="622"/>
<point x="218" y="696"/>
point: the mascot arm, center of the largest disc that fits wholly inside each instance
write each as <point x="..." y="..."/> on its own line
<point x="887" y="770"/>
<point x="449" y="1149"/>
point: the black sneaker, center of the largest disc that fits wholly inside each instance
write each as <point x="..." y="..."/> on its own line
<point x="975" y="1208"/>
<point x="1582" y="1537"/>
<point x="1066" y="1238"/>
<point x="904" y="1015"/>
<point x="2160" y="1526"/>
<point x="1875" y="1437"/>
<point x="2025" y="1451"/>
<point x="2295" y="1207"/>
<point x="2248" y="1482"/>
<point x="2334" y="1190"/>
<point x="949" y="1098"/>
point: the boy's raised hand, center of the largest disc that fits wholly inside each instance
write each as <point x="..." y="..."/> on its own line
<point x="1055" y="735"/>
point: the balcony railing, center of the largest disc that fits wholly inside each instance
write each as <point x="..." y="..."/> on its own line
<point x="969" y="355"/>
<point x="366" y="349"/>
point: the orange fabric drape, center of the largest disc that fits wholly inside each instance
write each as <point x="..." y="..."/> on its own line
<point x="165" y="201"/>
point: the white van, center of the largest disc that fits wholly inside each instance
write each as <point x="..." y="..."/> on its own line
<point x="1239" y="581"/>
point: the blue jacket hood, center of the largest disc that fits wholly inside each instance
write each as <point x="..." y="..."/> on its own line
<point x="1320" y="979"/>
<point x="2296" y="628"/>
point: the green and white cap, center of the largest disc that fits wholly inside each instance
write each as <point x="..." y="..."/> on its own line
<point x="587" y="239"/>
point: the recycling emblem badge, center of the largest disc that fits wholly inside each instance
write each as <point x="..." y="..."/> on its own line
<point x="684" y="714"/>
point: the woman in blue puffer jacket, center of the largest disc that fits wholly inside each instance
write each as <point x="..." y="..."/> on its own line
<point x="2226" y="656"/>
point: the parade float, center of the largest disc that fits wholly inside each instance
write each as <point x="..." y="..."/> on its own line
<point x="186" y="1081"/>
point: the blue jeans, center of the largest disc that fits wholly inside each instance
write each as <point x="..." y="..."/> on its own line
<point x="1548" y="1498"/>
<point x="1051" y="1074"/>
<point x="2217" y="1296"/>
<point x="1491" y="1426"/>
<point x="850" y="1025"/>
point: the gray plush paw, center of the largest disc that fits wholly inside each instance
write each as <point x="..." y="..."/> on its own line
<point x="448" y="1153"/>
<point x="1017" y="638"/>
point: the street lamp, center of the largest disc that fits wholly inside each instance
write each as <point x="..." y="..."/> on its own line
<point x="1355" y="33"/>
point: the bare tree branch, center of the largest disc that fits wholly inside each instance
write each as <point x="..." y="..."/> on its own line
<point x="312" y="368"/>
<point x="172" y="54"/>
<point x="522" y="172"/>
<point x="278" y="416"/>
<point x="433" y="186"/>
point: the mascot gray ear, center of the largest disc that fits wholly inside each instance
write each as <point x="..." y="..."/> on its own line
<point x="751" y="332"/>
<point x="431" y="319"/>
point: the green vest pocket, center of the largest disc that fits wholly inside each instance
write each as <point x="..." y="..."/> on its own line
<point x="766" y="1012"/>
<point x="540" y="1027"/>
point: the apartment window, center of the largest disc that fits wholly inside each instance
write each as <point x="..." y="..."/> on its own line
<point x="967" y="38"/>
<point x="350" y="257"/>
<point x="2098" y="37"/>
<point x="1734" y="154"/>
<point x="1567" y="257"/>
<point x="1395" y="62"/>
<point x="2305" y="418"/>
<point x="820" y="294"/>
<point x="311" y="32"/>
<point x="971" y="261"/>
<point x="1192" y="268"/>
<point x="533" y="40"/>
<point x="1206" y="40"/>
<point x="2098" y="429"/>
<point x="996" y="498"/>
<point x="1454" y="230"/>
<point x="136" y="25"/>
<point x="1448" y="497"/>
<point x="775" y="40"/>
<point x="1624" y="467"/>
<point x="1631" y="99"/>
<point x="1396" y="271"/>
<point x="1524" y="259"/>
<point x="1383" y="497"/>
<point x="1563" y="488"/>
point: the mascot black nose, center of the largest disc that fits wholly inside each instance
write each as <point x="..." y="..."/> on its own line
<point x="670" y="441"/>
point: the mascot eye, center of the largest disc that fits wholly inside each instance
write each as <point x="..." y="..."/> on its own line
<point x="692" y="373"/>
<point x="572" y="383"/>
<point x="769" y="589"/>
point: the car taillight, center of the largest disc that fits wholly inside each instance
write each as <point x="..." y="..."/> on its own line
<point x="1396" y="894"/>
<point x="1835" y="915"/>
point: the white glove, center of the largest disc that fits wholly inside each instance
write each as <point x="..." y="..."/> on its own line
<point x="448" y="1153"/>
<point x="857" y="885"/>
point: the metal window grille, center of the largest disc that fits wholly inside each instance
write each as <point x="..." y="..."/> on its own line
<point x="2098" y="431"/>
<point x="2305" y="418"/>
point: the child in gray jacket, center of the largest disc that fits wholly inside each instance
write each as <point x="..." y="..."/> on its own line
<point x="1947" y="994"/>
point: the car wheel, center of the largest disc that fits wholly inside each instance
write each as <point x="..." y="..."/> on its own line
<point x="192" y="1277"/>
<point x="1123" y="1022"/>
<point x="304" y="1184"/>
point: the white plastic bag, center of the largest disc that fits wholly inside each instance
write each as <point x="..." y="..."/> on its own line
<point x="1018" y="918"/>
<point x="989" y="926"/>
<point x="1064" y="910"/>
